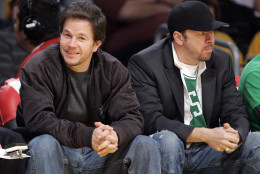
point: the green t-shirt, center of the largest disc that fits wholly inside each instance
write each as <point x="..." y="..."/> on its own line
<point x="249" y="87"/>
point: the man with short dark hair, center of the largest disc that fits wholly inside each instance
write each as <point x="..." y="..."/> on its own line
<point x="186" y="89"/>
<point x="79" y="104"/>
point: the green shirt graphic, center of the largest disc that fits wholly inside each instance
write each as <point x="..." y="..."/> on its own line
<point x="195" y="106"/>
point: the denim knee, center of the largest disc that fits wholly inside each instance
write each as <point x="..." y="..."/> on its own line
<point x="253" y="138"/>
<point x="169" y="140"/>
<point x="44" y="143"/>
<point x="173" y="152"/>
<point x="145" y="143"/>
<point x="47" y="156"/>
<point x="143" y="156"/>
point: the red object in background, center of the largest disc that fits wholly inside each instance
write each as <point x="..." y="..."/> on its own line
<point x="237" y="78"/>
<point x="9" y="100"/>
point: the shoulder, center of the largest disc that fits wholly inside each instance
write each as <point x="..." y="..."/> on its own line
<point x="44" y="64"/>
<point x="108" y="66"/>
<point x="220" y="58"/>
<point x="106" y="60"/>
<point x="253" y="65"/>
<point x="47" y="57"/>
<point x="219" y="53"/>
<point x="153" y="55"/>
<point x="251" y="72"/>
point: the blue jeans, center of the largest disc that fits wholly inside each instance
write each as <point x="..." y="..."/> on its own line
<point x="203" y="159"/>
<point x="142" y="156"/>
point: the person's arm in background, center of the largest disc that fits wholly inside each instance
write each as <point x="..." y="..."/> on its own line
<point x="139" y="9"/>
<point x="257" y="6"/>
<point x="257" y="112"/>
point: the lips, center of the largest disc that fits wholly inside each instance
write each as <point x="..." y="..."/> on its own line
<point x="71" y="53"/>
<point x="209" y="48"/>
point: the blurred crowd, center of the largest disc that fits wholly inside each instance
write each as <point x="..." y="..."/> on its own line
<point x="132" y="25"/>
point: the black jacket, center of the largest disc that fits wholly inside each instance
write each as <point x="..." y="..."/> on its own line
<point x="45" y="86"/>
<point x="158" y="85"/>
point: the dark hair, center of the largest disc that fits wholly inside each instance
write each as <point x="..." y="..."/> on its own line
<point x="89" y="11"/>
<point x="46" y="12"/>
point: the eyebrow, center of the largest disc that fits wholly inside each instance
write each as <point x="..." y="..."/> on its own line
<point x="80" y="34"/>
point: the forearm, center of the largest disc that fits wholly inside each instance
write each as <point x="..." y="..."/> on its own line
<point x="134" y="10"/>
<point x="179" y="128"/>
<point x="219" y="138"/>
<point x="198" y="135"/>
<point x="70" y="134"/>
<point x="257" y="6"/>
<point x="127" y="130"/>
<point x="257" y="112"/>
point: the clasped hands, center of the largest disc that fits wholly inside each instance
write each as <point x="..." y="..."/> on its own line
<point x="104" y="139"/>
<point x="224" y="139"/>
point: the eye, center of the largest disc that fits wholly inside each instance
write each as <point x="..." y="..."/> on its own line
<point x="66" y="35"/>
<point x="82" y="38"/>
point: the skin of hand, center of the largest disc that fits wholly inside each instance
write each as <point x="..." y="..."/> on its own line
<point x="104" y="139"/>
<point x="229" y="129"/>
<point x="222" y="138"/>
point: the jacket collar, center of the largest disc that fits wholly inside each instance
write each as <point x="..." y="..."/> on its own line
<point x="208" y="79"/>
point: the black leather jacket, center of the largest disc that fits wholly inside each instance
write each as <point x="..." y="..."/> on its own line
<point x="111" y="99"/>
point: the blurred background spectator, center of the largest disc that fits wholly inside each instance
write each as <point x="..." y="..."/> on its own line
<point x="254" y="47"/>
<point x="11" y="56"/>
<point x="5" y="14"/>
<point x="64" y="3"/>
<point x="132" y="24"/>
<point x="243" y="17"/>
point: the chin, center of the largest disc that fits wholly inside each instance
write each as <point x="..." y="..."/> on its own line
<point x="204" y="58"/>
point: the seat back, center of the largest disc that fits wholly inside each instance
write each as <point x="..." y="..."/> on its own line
<point x="9" y="100"/>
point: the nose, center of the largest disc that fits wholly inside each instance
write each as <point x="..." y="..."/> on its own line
<point x="72" y="42"/>
<point x="210" y="37"/>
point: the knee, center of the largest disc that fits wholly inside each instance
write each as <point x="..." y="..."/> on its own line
<point x="145" y="143"/>
<point x="46" y="143"/>
<point x="253" y="138"/>
<point x="168" y="140"/>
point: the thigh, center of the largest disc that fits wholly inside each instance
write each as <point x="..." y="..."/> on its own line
<point x="87" y="161"/>
<point x="203" y="159"/>
<point x="8" y="136"/>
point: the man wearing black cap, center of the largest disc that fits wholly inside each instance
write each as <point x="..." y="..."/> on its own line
<point x="189" y="100"/>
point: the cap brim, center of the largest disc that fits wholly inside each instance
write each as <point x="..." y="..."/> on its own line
<point x="218" y="24"/>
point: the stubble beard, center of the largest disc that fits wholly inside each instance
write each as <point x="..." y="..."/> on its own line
<point x="204" y="58"/>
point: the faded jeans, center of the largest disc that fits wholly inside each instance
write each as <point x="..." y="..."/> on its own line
<point x="48" y="156"/>
<point x="203" y="159"/>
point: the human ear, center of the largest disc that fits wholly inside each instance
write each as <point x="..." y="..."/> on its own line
<point x="178" y="37"/>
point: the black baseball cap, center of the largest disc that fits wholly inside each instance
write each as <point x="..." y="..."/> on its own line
<point x="193" y="15"/>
